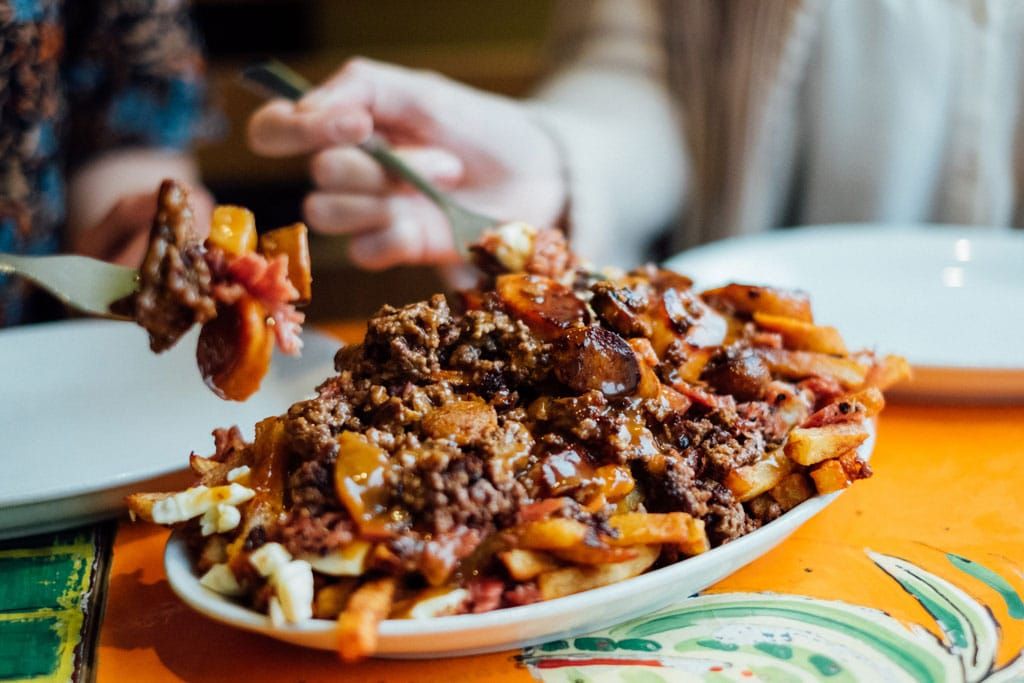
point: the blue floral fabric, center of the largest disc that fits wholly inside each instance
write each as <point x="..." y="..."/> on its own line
<point x="78" y="78"/>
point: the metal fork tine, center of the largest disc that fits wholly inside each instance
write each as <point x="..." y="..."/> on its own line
<point x="83" y="283"/>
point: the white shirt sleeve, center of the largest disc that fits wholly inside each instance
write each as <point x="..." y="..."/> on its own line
<point x="611" y="113"/>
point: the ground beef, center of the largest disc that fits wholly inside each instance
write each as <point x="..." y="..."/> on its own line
<point x="469" y="431"/>
<point x="499" y="354"/>
<point x="312" y="486"/>
<point x="174" y="281"/>
<point x="304" y="533"/>
<point x="674" y="488"/>
<point x="406" y="343"/>
<point x="446" y="489"/>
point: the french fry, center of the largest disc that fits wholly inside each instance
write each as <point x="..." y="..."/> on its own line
<point x="811" y="445"/>
<point x="645" y="528"/>
<point x="802" y="364"/>
<point x="431" y="602"/>
<point x="330" y="600"/>
<point x="140" y="505"/>
<point x="854" y="467"/>
<point x="568" y="580"/>
<point x="551" y="534"/>
<point x="871" y="398"/>
<point x="753" y="480"/>
<point x="803" y="335"/>
<point x="357" y="624"/>
<point x="585" y="554"/>
<point x="697" y="541"/>
<point x="201" y="466"/>
<point x="750" y="299"/>
<point x="794" y="489"/>
<point x="888" y="371"/>
<point x="268" y="478"/>
<point x="829" y="477"/>
<point x="523" y="565"/>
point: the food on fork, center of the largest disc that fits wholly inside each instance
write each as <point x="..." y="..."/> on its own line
<point x="242" y="288"/>
<point x="556" y="430"/>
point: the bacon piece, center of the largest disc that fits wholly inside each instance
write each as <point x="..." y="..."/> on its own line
<point x="541" y="509"/>
<point x="267" y="281"/>
<point x="523" y="594"/>
<point x="825" y="389"/>
<point x="485" y="595"/>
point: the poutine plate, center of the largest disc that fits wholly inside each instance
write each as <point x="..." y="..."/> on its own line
<point x="503" y="629"/>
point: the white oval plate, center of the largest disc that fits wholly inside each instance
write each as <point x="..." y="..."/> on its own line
<point x="514" y="627"/>
<point x="949" y="298"/>
<point x="88" y="413"/>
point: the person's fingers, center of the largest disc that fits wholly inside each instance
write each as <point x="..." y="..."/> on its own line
<point x="346" y="169"/>
<point x="344" y="109"/>
<point x="108" y="238"/>
<point x="417" y="234"/>
<point x="345" y="213"/>
<point x="202" y="211"/>
<point x="282" y="128"/>
<point x="132" y="251"/>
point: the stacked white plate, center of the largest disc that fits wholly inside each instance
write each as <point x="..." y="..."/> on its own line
<point x="949" y="298"/>
<point x="88" y="414"/>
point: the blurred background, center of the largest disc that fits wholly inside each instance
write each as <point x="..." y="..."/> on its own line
<point x="495" y="46"/>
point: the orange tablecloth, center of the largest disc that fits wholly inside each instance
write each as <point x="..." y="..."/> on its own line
<point x="945" y="503"/>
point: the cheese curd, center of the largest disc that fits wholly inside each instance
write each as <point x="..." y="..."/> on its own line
<point x="269" y="558"/>
<point x="220" y="579"/>
<point x="239" y="474"/>
<point x="514" y="246"/>
<point x="197" y="500"/>
<point x="219" y="519"/>
<point x="292" y="581"/>
<point x="347" y="561"/>
<point x="293" y="586"/>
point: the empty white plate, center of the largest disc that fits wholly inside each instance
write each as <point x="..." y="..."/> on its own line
<point x="502" y="629"/>
<point x="88" y="414"/>
<point x="949" y="298"/>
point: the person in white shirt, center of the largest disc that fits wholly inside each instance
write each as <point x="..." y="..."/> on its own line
<point x="718" y="117"/>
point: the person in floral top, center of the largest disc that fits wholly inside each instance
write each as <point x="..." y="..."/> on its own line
<point x="99" y="101"/>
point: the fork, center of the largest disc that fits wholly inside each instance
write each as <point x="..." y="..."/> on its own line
<point x="85" y="284"/>
<point x="277" y="79"/>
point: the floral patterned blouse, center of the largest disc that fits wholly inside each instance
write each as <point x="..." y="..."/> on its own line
<point x="78" y="78"/>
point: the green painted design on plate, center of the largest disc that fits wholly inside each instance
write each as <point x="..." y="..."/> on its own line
<point x="590" y="644"/>
<point x="711" y="644"/>
<point x="824" y="665"/>
<point x="775" y="650"/>
<point x="1014" y="604"/>
<point x="901" y="651"/>
<point x="638" y="645"/>
<point x="555" y="645"/>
